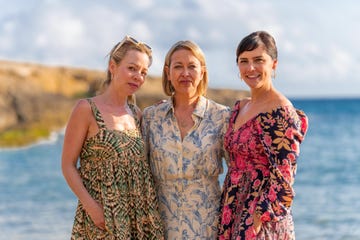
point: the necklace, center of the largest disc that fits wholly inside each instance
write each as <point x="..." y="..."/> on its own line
<point x="184" y="119"/>
<point x="185" y="124"/>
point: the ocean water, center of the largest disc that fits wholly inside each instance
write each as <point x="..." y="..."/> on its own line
<point x="36" y="203"/>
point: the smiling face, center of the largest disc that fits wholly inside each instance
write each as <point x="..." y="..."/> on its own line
<point x="256" y="67"/>
<point x="130" y="73"/>
<point x="185" y="72"/>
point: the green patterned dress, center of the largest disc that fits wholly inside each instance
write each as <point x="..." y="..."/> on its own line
<point x="116" y="173"/>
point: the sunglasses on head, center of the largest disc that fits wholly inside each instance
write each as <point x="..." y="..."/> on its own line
<point x="131" y="40"/>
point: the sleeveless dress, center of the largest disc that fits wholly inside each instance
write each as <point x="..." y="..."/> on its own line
<point x="263" y="160"/>
<point x="116" y="174"/>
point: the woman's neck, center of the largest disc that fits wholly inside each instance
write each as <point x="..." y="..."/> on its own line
<point x="262" y="94"/>
<point x="185" y="102"/>
<point x="113" y="99"/>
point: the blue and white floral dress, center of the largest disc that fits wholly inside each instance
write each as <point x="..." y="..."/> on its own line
<point x="186" y="170"/>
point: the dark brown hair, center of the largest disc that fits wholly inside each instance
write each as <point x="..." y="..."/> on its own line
<point x="256" y="39"/>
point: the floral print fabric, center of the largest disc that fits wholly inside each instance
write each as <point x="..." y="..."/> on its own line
<point x="263" y="159"/>
<point x="186" y="171"/>
<point x="116" y="174"/>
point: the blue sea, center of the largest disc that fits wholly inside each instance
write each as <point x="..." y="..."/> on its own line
<point x="36" y="203"/>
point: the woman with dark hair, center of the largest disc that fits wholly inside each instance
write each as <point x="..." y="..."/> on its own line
<point x="263" y="140"/>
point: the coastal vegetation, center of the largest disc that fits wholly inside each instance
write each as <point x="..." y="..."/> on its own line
<point x="37" y="99"/>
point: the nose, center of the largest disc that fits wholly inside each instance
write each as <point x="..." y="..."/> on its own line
<point x="185" y="72"/>
<point x="138" y="76"/>
<point x="251" y="66"/>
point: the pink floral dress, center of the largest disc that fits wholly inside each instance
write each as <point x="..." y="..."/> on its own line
<point x="263" y="154"/>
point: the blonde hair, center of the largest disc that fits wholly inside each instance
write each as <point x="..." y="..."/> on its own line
<point x="118" y="53"/>
<point x="198" y="53"/>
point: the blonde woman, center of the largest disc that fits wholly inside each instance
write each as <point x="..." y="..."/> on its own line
<point x="113" y="183"/>
<point x="184" y="138"/>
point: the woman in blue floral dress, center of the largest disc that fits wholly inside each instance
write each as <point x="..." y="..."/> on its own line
<point x="184" y="137"/>
<point x="263" y="139"/>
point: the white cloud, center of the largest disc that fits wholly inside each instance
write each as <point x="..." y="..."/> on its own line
<point x="6" y="40"/>
<point x="318" y="49"/>
<point x="140" y="4"/>
<point x="62" y="30"/>
<point x="341" y="62"/>
<point x="142" y="30"/>
<point x="8" y="26"/>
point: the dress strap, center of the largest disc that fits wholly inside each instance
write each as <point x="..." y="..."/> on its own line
<point x="99" y="120"/>
<point x="237" y="105"/>
<point x="235" y="113"/>
<point x="135" y="114"/>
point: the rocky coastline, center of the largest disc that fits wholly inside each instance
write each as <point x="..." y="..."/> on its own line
<point x="37" y="99"/>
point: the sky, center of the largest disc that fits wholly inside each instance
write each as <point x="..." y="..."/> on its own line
<point x="318" y="41"/>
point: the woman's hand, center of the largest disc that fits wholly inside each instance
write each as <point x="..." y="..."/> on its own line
<point x="96" y="212"/>
<point x="257" y="223"/>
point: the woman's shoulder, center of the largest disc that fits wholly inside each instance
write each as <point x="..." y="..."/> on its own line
<point x="242" y="102"/>
<point x="286" y="119"/>
<point x="81" y="111"/>
<point x="83" y="105"/>
<point x="156" y="107"/>
<point x="136" y="110"/>
<point x="284" y="111"/>
<point x="276" y="103"/>
<point x="217" y="106"/>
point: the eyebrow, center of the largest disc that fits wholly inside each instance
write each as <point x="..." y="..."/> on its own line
<point x="260" y="56"/>
<point x="135" y="64"/>
<point x="191" y="62"/>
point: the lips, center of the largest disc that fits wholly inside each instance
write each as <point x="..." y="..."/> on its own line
<point x="134" y="85"/>
<point x="252" y="77"/>
<point x="185" y="81"/>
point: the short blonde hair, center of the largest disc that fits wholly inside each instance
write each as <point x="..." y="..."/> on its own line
<point x="198" y="53"/>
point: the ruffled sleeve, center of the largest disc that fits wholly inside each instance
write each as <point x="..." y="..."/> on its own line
<point x="282" y="131"/>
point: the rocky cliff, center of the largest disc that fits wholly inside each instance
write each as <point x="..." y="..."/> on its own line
<point x="37" y="99"/>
